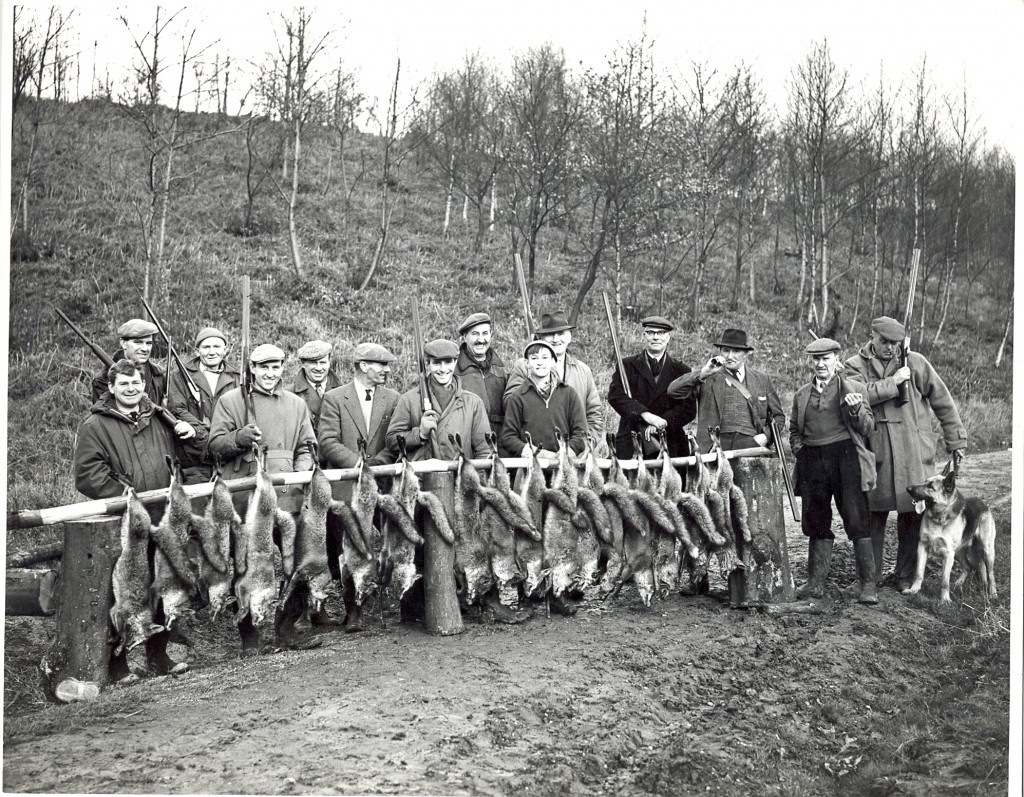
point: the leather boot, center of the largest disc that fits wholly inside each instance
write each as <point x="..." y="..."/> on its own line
<point x="499" y="611"/>
<point x="288" y="636"/>
<point x="157" y="660"/>
<point x="819" y="560"/>
<point x="863" y="552"/>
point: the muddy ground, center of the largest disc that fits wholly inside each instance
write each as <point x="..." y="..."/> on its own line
<point x="688" y="697"/>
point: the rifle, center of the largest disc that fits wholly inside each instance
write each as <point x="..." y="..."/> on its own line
<point x="165" y="414"/>
<point x="524" y="295"/>
<point x="904" y="349"/>
<point x="618" y="354"/>
<point x="421" y="366"/>
<point x="189" y="383"/>
<point x="246" y="381"/>
<point x="786" y="478"/>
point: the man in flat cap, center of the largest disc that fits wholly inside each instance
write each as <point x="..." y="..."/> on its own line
<point x="277" y="419"/>
<point x="650" y="408"/>
<point x="903" y="441"/>
<point x="212" y="378"/>
<point x="315" y="377"/>
<point x="136" y="338"/>
<point x="731" y="395"/>
<point x="828" y="429"/>
<point x="480" y="369"/>
<point x="358" y="409"/>
<point x="452" y="410"/>
<point x="556" y="330"/>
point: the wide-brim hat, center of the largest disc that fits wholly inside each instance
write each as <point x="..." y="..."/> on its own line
<point x="553" y="322"/>
<point x="735" y="339"/>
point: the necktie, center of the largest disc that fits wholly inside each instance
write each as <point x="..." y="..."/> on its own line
<point x="369" y="395"/>
<point x="134" y="416"/>
<point x="655" y="367"/>
<point x="320" y="390"/>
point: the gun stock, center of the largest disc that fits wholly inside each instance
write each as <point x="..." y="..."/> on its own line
<point x="786" y="478"/>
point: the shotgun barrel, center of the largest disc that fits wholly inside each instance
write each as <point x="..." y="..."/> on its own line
<point x="193" y="389"/>
<point x="421" y="367"/>
<point x="903" y="395"/>
<point x="524" y="295"/>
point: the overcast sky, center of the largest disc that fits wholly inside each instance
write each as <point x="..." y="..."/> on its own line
<point x="979" y="41"/>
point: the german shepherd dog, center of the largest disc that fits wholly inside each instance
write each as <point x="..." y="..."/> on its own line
<point x="955" y="527"/>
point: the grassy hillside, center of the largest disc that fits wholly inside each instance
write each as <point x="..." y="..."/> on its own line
<point x="86" y="250"/>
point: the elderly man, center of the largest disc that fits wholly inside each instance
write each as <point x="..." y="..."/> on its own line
<point x="452" y="410"/>
<point x="650" y="408"/>
<point x="555" y="330"/>
<point x="212" y="378"/>
<point x="279" y="420"/>
<point x="480" y="369"/>
<point x="123" y="441"/>
<point x="731" y="395"/>
<point x="828" y="430"/>
<point x="315" y="377"/>
<point x="360" y="409"/>
<point x="136" y="338"/>
<point x="903" y="442"/>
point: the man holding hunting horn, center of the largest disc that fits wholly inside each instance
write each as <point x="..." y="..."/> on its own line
<point x="903" y="441"/>
<point x="644" y="403"/>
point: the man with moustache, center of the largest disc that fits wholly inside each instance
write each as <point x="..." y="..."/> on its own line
<point x="556" y="331"/>
<point x="651" y="409"/>
<point x="213" y="378"/>
<point x="731" y="395"/>
<point x="315" y="377"/>
<point x="136" y="337"/>
<point x="480" y="369"/>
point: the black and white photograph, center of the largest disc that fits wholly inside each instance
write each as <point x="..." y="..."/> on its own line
<point x="431" y="398"/>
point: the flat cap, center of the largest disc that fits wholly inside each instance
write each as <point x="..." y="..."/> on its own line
<point x="209" y="332"/>
<point x="372" y="353"/>
<point x="822" y="346"/>
<point x="472" y="321"/>
<point x="266" y="353"/>
<point x="313" y="350"/>
<point x="441" y="349"/>
<point x="657" y="322"/>
<point x="136" y="328"/>
<point x="539" y="344"/>
<point x="889" y="328"/>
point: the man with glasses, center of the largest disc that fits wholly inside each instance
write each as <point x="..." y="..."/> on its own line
<point x="650" y="409"/>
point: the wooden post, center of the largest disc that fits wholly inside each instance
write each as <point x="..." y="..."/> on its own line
<point x="31" y="593"/>
<point x="82" y="646"/>
<point x="442" y="615"/>
<point x="767" y="578"/>
<point x="33" y="556"/>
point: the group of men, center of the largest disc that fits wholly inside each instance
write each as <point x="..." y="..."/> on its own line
<point x="855" y="444"/>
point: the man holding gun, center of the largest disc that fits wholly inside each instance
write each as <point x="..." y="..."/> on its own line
<point x="136" y="338"/>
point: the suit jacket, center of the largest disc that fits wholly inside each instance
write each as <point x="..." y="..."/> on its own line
<point x="342" y="424"/>
<point x="709" y="396"/>
<point x="650" y="394"/>
<point x="305" y="391"/>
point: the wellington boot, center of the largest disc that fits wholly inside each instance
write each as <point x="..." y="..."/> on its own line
<point x="354" y="619"/>
<point x="864" y="555"/>
<point x="819" y="560"/>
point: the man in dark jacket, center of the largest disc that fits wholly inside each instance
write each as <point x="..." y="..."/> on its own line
<point x="315" y="377"/>
<point x="123" y="441"/>
<point x="650" y="408"/>
<point x="480" y="369"/>
<point x="136" y="338"/>
<point x="212" y="378"/>
<point x="732" y="396"/>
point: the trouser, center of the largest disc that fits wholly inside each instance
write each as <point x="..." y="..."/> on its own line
<point x="832" y="473"/>
<point x="908" y="533"/>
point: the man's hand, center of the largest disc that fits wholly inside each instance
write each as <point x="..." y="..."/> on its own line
<point x="428" y="423"/>
<point x="544" y="454"/>
<point x="248" y="435"/>
<point x="761" y="440"/>
<point x="958" y="456"/>
<point x="853" y="400"/>
<point x="654" y="423"/>
<point x="901" y="375"/>
<point x="184" y="430"/>
<point x="712" y="366"/>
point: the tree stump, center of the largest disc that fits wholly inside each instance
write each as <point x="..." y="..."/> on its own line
<point x="82" y="646"/>
<point x="767" y="577"/>
<point x="442" y="615"/>
<point x="31" y="593"/>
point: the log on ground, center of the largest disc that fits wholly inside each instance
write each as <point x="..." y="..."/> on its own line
<point x="31" y="593"/>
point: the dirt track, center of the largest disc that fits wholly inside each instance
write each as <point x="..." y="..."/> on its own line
<point x="684" y="698"/>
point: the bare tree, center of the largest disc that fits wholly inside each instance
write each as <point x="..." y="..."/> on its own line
<point x="344" y="102"/>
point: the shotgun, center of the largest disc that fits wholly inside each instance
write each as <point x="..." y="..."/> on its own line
<point x="618" y="355"/>
<point x="161" y="411"/>
<point x="524" y="295"/>
<point x="421" y="367"/>
<point x="786" y="478"/>
<point x="246" y="381"/>
<point x="904" y="349"/>
<point x="189" y="383"/>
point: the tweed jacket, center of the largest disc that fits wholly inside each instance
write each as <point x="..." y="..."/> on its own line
<point x="342" y="424"/>
<point x="465" y="415"/>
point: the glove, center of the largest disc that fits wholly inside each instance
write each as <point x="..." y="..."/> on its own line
<point x="247" y="435"/>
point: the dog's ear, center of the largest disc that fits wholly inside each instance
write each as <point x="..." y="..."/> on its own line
<point x="949" y="482"/>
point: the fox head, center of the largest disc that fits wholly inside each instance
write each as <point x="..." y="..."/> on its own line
<point x="263" y="606"/>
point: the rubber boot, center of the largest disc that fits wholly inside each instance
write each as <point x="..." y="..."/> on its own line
<point x="288" y="636"/>
<point x="157" y="660"/>
<point x="877" y="530"/>
<point x="863" y="553"/>
<point x="819" y="560"/>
